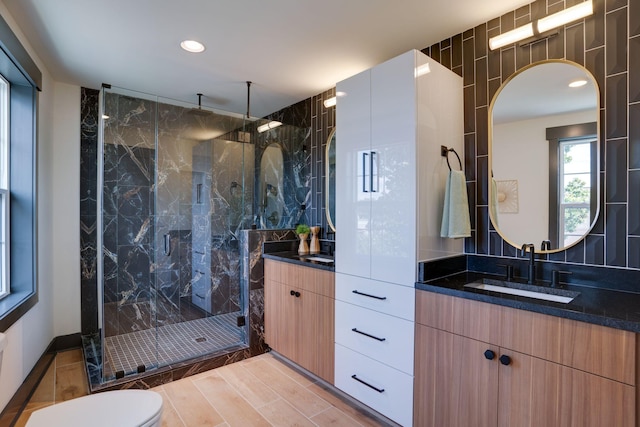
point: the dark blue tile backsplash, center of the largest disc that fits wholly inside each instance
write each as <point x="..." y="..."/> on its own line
<point x="608" y="45"/>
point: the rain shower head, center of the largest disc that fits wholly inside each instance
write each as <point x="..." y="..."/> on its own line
<point x="199" y="111"/>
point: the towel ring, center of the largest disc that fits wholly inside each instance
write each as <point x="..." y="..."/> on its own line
<point x="444" y="152"/>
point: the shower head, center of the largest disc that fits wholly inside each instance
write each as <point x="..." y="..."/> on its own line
<point x="199" y="111"/>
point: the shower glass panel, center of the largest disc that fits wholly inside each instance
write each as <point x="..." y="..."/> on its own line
<point x="177" y="186"/>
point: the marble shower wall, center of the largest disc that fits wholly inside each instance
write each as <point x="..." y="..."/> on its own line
<point x="88" y="217"/>
<point x="131" y="185"/>
<point x="294" y="139"/>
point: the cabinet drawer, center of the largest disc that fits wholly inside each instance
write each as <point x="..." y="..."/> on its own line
<point x="379" y="296"/>
<point x="394" y="395"/>
<point x="306" y="278"/>
<point x="382" y="337"/>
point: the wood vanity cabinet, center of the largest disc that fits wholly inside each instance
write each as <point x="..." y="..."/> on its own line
<point x="482" y="364"/>
<point x="299" y="315"/>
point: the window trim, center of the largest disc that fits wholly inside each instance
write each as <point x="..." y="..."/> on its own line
<point x="25" y="81"/>
<point x="554" y="136"/>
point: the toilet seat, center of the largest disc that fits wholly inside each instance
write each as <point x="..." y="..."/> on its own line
<point x="122" y="408"/>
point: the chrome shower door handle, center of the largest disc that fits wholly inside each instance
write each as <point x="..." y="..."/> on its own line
<point x="167" y="244"/>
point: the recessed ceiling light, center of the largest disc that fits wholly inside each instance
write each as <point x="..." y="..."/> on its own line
<point x="192" y="46"/>
<point x="577" y="83"/>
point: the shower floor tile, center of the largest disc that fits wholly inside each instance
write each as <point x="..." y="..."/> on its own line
<point x="171" y="343"/>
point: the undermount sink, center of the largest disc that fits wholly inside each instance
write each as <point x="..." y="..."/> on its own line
<point x="530" y="291"/>
<point x="318" y="259"/>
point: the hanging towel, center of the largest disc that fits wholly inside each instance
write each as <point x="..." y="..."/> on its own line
<point x="493" y="203"/>
<point x="455" y="215"/>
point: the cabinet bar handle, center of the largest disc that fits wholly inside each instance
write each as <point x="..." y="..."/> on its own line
<point x="368" y="335"/>
<point x="379" y="390"/>
<point x="371" y="176"/>
<point x="364" y="172"/>
<point x="355" y="291"/>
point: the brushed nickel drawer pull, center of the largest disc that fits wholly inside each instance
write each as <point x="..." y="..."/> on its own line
<point x="379" y="390"/>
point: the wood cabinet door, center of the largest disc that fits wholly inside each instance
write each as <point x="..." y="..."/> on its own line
<point x="529" y="391"/>
<point x="315" y="343"/>
<point x="455" y="385"/>
<point x="279" y="310"/>
<point x="535" y="392"/>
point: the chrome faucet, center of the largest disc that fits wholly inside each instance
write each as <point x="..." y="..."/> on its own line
<point x="532" y="261"/>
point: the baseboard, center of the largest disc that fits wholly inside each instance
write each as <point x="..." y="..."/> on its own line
<point x="16" y="405"/>
<point x="65" y="342"/>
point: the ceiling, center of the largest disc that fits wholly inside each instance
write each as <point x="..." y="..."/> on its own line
<point x="290" y="49"/>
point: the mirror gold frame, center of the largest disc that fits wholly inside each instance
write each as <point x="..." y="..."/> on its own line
<point x="505" y="237"/>
<point x="327" y="174"/>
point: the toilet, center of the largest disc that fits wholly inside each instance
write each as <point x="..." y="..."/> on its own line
<point x="122" y="408"/>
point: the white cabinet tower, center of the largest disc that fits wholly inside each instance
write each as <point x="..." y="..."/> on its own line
<point x="390" y="177"/>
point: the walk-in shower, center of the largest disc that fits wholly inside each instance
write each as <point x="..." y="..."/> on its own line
<point x="177" y="188"/>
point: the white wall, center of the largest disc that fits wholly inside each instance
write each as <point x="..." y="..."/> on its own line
<point x="520" y="151"/>
<point x="65" y="212"/>
<point x="58" y="309"/>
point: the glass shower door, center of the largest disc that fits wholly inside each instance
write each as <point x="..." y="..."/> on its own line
<point x="199" y="208"/>
<point x="126" y="173"/>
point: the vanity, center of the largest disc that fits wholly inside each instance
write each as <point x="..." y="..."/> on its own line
<point x="456" y="343"/>
<point x="299" y="299"/>
<point x="519" y="368"/>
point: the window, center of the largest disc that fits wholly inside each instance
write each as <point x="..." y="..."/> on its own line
<point x="19" y="85"/>
<point x="573" y="182"/>
<point x="574" y="189"/>
<point x="4" y="187"/>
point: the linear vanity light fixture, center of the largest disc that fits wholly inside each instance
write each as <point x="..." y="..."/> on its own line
<point x="511" y="37"/>
<point x="566" y="16"/>
<point x="331" y="102"/>
<point x="271" y="125"/>
<point x="542" y="25"/>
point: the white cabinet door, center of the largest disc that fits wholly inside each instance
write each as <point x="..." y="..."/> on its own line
<point x="393" y="147"/>
<point x="353" y="179"/>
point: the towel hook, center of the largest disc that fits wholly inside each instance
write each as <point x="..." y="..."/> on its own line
<point x="444" y="152"/>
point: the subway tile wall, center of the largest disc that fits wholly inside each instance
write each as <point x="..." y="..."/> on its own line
<point x="608" y="45"/>
<point x="322" y="123"/>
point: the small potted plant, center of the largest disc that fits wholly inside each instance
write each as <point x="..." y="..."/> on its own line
<point x="302" y="230"/>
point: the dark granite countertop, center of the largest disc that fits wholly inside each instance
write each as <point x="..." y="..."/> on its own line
<point x="615" y="309"/>
<point x="293" y="258"/>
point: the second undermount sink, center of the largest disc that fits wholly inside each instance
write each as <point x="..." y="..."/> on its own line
<point x="530" y="291"/>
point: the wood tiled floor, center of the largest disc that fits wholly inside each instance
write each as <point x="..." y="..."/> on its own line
<point x="65" y="379"/>
<point x="261" y="391"/>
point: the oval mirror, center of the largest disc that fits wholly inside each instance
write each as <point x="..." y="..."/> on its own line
<point x="270" y="198"/>
<point x="543" y="156"/>
<point x="330" y="180"/>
